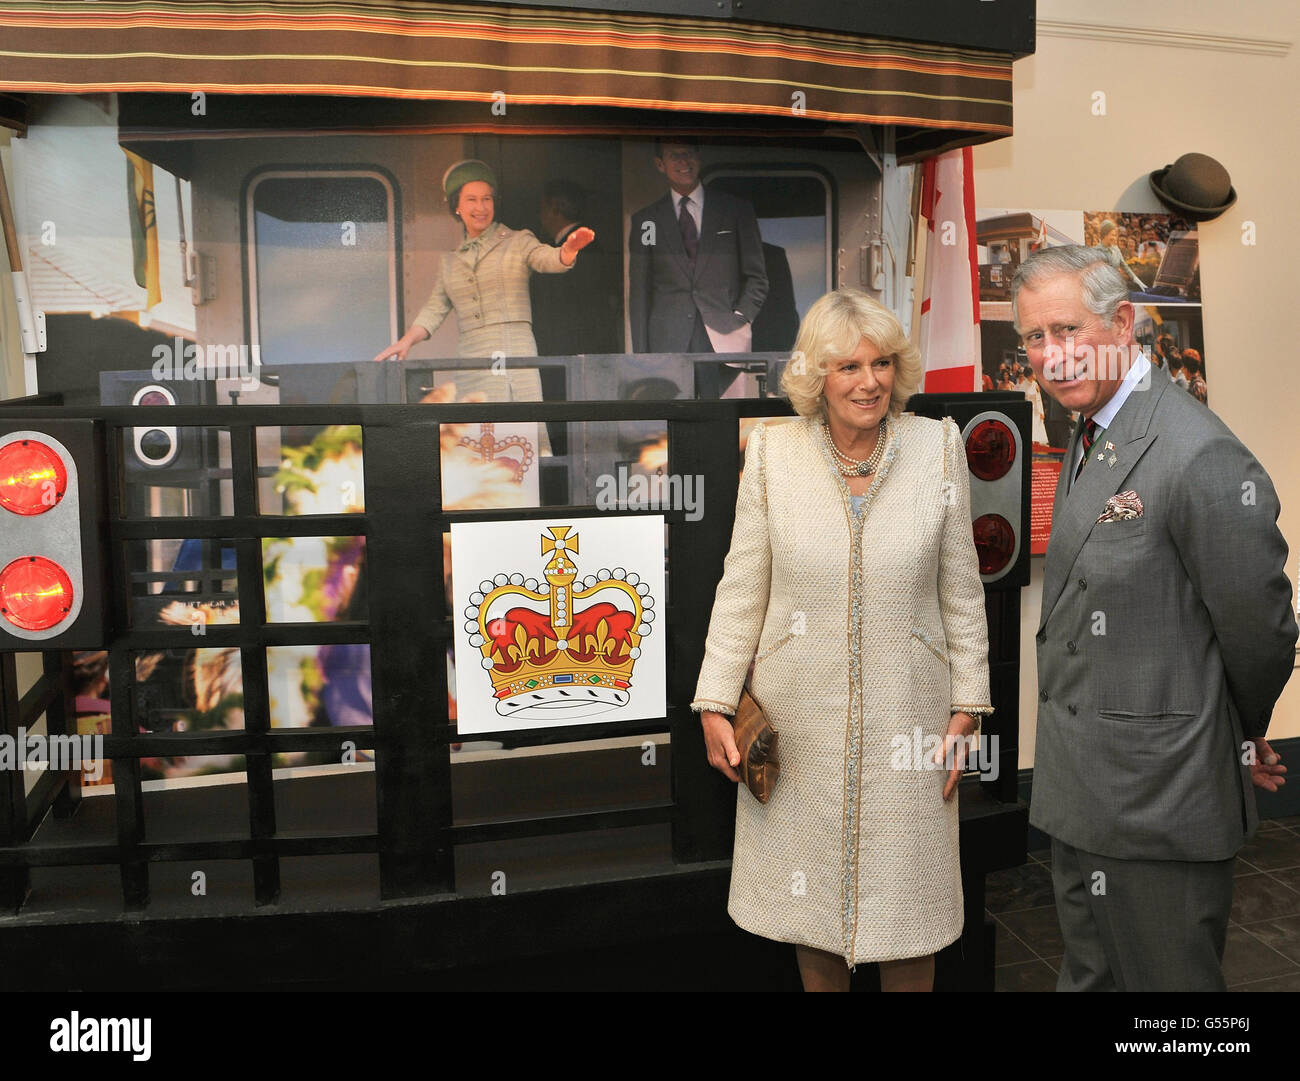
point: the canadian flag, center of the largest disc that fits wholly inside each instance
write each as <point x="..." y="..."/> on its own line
<point x="950" y="308"/>
<point x="1041" y="241"/>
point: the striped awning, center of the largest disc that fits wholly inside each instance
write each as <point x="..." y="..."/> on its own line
<point x="936" y="95"/>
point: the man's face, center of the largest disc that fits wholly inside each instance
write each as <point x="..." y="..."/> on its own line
<point x="1076" y="357"/>
<point x="681" y="165"/>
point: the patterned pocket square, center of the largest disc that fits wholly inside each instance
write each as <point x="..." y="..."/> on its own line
<point x="1121" y="507"/>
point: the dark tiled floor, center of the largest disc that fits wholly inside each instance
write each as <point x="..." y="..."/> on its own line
<point x="1263" y="947"/>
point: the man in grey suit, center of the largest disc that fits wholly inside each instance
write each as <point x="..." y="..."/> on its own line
<point x="1166" y="637"/>
<point x="696" y="278"/>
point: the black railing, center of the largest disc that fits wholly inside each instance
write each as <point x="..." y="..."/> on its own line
<point x="408" y="629"/>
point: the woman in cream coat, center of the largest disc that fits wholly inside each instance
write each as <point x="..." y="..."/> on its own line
<point x="852" y="585"/>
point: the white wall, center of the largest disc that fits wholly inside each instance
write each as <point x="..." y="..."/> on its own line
<point x="1217" y="78"/>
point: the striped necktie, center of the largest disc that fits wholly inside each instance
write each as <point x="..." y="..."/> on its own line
<point x="1089" y="436"/>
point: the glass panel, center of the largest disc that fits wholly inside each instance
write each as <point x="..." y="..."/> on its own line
<point x="311" y="470"/>
<point x="323" y="246"/>
<point x="609" y="466"/>
<point x="793" y="210"/>
<point x="320" y="686"/>
<point x="179" y="472"/>
<point x="314" y="579"/>
<point x="189" y="690"/>
<point x="182" y="583"/>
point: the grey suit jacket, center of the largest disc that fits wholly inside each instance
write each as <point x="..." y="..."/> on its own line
<point x="1164" y="640"/>
<point x="665" y="290"/>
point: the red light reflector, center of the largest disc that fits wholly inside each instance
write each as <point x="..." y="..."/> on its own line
<point x="995" y="542"/>
<point x="35" y="593"/>
<point x="33" y="477"/>
<point x="990" y="449"/>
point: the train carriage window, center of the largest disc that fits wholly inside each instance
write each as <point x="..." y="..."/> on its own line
<point x="322" y="265"/>
<point x="795" y="211"/>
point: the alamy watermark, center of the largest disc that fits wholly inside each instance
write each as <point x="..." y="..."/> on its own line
<point x="917" y="751"/>
<point x="184" y="361"/>
<point x="1104" y="362"/>
<point x="33" y="750"/>
<point x="660" y="491"/>
<point x="113" y="1034"/>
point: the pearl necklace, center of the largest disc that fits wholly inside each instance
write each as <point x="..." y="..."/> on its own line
<point x="853" y="467"/>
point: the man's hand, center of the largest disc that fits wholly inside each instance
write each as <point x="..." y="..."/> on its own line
<point x="1266" y="770"/>
<point x="720" y="741"/>
<point x="960" y="726"/>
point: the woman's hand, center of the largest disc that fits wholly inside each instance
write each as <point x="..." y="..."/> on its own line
<point x="403" y="345"/>
<point x="720" y="741"/>
<point x="960" y="726"/>
<point x="574" y="243"/>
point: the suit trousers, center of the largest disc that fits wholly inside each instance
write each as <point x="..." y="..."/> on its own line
<point x="1140" y="925"/>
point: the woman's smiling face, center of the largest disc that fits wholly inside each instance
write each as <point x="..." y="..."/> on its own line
<point x="858" y="388"/>
<point x="475" y="206"/>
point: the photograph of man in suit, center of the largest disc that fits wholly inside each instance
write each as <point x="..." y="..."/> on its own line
<point x="1165" y="639"/>
<point x="696" y="279"/>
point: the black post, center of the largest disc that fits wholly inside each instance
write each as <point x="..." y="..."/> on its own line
<point x="121" y="690"/>
<point x="126" y="785"/>
<point x="14" y="881"/>
<point x="61" y="720"/>
<point x="408" y="668"/>
<point x="703" y="800"/>
<point x="252" y="659"/>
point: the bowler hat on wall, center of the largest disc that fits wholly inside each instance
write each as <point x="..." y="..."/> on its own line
<point x="1196" y="186"/>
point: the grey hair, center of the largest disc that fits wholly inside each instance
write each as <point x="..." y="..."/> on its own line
<point x="1098" y="269"/>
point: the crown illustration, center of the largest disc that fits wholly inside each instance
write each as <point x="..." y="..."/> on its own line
<point x="489" y="449"/>
<point x="562" y="647"/>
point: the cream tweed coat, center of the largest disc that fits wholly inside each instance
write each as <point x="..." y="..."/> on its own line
<point x="485" y="282"/>
<point x="862" y="629"/>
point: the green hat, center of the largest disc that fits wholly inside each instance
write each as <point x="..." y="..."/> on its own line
<point x="462" y="172"/>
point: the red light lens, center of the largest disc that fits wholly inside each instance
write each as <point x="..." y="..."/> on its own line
<point x="153" y="397"/>
<point x="33" y="477"/>
<point x="995" y="542"/>
<point x="990" y="450"/>
<point x="35" y="593"/>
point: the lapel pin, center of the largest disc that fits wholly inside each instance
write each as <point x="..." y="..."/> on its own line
<point x="1111" y="461"/>
<point x="1110" y="445"/>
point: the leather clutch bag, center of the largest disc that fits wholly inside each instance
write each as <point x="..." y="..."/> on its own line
<point x="756" y="742"/>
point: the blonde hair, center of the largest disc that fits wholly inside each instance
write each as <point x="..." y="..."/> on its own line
<point x="833" y="328"/>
